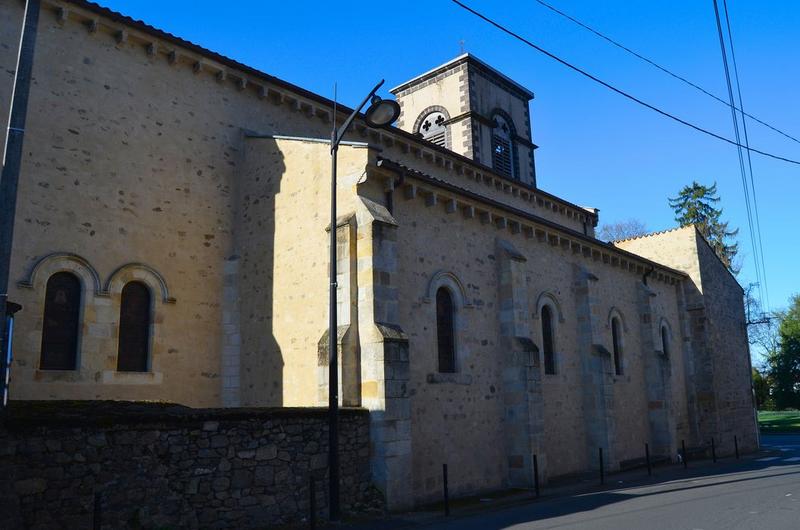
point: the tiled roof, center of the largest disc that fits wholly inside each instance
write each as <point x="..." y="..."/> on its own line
<point x="651" y="234"/>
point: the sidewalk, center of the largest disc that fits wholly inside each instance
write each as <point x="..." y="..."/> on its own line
<point x="586" y="484"/>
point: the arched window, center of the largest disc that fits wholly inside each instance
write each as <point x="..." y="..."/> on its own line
<point x="665" y="340"/>
<point x="617" y="345"/>
<point x="433" y="128"/>
<point x="62" y="309"/>
<point x="547" y="340"/>
<point x="445" y="330"/>
<point x="134" y="328"/>
<point x="503" y="147"/>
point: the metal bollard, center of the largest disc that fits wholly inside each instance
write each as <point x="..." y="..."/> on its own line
<point x="736" y="446"/>
<point x="685" y="459"/>
<point x="312" y="505"/>
<point x="446" y="495"/>
<point x="536" y="475"/>
<point x="713" y="451"/>
<point x="647" y="458"/>
<point x="97" y="521"/>
<point x="602" y="471"/>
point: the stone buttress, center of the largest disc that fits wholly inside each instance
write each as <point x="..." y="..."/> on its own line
<point x="597" y="369"/>
<point x="521" y="369"/>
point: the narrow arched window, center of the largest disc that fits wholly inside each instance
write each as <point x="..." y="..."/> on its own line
<point x="61" y="324"/>
<point x="665" y="341"/>
<point x="433" y="128"/>
<point x="134" y="328"/>
<point x="445" y="330"/>
<point x="503" y="147"/>
<point x="616" y="345"/>
<point x="547" y="341"/>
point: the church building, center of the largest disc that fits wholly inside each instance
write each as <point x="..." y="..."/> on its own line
<point x="171" y="244"/>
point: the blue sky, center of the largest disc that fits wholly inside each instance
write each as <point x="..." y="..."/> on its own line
<point x="595" y="147"/>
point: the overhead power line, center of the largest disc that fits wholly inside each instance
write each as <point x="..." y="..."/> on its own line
<point x="742" y="169"/>
<point x="662" y="68"/>
<point x="620" y="91"/>
<point x="765" y="294"/>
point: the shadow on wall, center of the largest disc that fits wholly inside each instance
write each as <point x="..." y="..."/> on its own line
<point x="261" y="360"/>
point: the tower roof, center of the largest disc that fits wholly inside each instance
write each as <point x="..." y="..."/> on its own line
<point x="487" y="70"/>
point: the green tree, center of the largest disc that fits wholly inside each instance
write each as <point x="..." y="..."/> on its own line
<point x="784" y="364"/>
<point x="761" y="389"/>
<point x="696" y="205"/>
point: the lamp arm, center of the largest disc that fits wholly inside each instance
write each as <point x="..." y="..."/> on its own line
<point x="339" y="133"/>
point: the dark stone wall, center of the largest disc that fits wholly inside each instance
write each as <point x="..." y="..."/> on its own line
<point x="167" y="466"/>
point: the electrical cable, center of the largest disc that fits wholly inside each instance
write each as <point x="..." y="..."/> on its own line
<point x="620" y="91"/>
<point x="742" y="169"/>
<point x="765" y="293"/>
<point x="663" y="69"/>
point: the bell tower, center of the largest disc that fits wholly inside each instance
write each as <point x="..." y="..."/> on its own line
<point x="470" y="108"/>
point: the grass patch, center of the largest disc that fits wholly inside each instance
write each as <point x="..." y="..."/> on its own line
<point x="777" y="422"/>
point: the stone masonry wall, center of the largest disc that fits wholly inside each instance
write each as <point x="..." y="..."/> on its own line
<point x="167" y="466"/>
<point x="720" y="355"/>
<point x="465" y="419"/>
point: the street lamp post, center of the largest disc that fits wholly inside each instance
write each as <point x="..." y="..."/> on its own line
<point x="381" y="113"/>
<point x="12" y="162"/>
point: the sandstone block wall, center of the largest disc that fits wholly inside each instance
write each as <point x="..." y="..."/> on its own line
<point x="464" y="419"/>
<point x="282" y="250"/>
<point x="161" y="466"/>
<point x="716" y="330"/>
<point x="136" y="154"/>
<point x="731" y="367"/>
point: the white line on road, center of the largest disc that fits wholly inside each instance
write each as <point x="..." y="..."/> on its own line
<point x="793" y="459"/>
<point x="767" y="459"/>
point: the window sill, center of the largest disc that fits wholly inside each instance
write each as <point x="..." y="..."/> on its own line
<point x="455" y="378"/>
<point x="112" y="377"/>
<point x="56" y="376"/>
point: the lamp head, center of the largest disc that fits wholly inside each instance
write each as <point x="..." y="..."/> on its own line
<point x="382" y="112"/>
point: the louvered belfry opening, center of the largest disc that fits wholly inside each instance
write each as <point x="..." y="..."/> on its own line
<point x="502" y="148"/>
<point x="134" y="328"/>
<point x="61" y="323"/>
<point x="433" y="128"/>
<point x="501" y="155"/>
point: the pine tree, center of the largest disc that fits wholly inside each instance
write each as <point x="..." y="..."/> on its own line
<point x="695" y="205"/>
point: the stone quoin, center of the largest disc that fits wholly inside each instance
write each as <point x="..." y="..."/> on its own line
<point x="480" y="320"/>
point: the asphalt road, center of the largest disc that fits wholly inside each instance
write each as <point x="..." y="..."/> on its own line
<point x="761" y="493"/>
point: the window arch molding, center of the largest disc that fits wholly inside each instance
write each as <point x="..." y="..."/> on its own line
<point x="497" y="111"/>
<point x="551" y="358"/>
<point x="548" y="298"/>
<point x="38" y="279"/>
<point x="142" y="272"/>
<point x="159" y="297"/>
<point x="447" y="280"/>
<point x="427" y="112"/>
<point x="617" y="334"/>
<point x="50" y="264"/>
<point x="613" y="313"/>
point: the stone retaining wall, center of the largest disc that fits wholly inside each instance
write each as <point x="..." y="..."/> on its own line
<point x="167" y="466"/>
